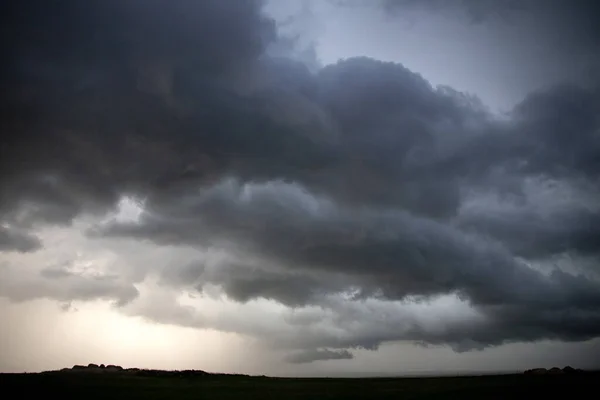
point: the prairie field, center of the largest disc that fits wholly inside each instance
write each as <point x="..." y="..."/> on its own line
<point x="112" y="386"/>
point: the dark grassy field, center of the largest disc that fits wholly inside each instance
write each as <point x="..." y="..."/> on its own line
<point x="124" y="386"/>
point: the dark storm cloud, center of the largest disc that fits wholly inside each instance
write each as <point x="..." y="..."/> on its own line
<point x="319" y="355"/>
<point x="529" y="233"/>
<point x="368" y="327"/>
<point x="13" y="240"/>
<point x="80" y="80"/>
<point x="245" y="282"/>
<point x="312" y="248"/>
<point x="565" y="145"/>
<point x="388" y="252"/>
<point x="215" y="109"/>
<point x="347" y="183"/>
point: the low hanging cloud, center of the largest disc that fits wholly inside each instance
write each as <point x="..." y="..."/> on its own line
<point x="61" y="285"/>
<point x="360" y="189"/>
<point x="14" y="240"/>
<point x="301" y="250"/>
<point x="319" y="355"/>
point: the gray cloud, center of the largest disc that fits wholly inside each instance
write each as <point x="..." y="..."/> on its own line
<point x="550" y="218"/>
<point x="65" y="286"/>
<point x="319" y="355"/>
<point x="311" y="249"/>
<point x="245" y="282"/>
<point x="350" y="184"/>
<point x="286" y="223"/>
<point x="14" y="240"/>
<point x="562" y="14"/>
<point x="476" y="11"/>
<point x="568" y="27"/>
<point x="126" y="59"/>
<point x="55" y="273"/>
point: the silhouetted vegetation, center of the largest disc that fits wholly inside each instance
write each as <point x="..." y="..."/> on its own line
<point x="113" y="382"/>
<point x="554" y="371"/>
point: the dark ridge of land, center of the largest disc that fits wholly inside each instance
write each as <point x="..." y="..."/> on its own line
<point x="112" y="383"/>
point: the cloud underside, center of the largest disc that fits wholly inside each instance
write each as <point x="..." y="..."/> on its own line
<point x="350" y="190"/>
<point x="14" y="240"/>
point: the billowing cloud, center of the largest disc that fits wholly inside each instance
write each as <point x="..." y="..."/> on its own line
<point x="352" y="198"/>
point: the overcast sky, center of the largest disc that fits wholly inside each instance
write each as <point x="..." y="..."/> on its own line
<point x="335" y="187"/>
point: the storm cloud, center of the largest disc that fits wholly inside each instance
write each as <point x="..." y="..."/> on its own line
<point x="358" y="193"/>
<point x="317" y="355"/>
<point x="13" y="240"/>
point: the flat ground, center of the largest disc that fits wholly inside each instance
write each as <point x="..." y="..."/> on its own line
<point x="123" y="386"/>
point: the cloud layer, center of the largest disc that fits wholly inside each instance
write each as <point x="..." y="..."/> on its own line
<point x="355" y="194"/>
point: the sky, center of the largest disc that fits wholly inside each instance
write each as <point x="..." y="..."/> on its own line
<point x="300" y="188"/>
